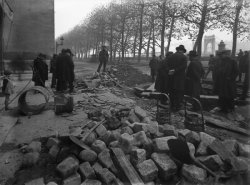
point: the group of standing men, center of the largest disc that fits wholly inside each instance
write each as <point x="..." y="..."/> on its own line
<point x="176" y="77"/>
<point x="61" y="67"/>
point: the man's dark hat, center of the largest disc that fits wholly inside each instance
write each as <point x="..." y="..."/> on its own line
<point x="69" y="51"/>
<point x="192" y="53"/>
<point x="41" y="56"/>
<point x="6" y="72"/>
<point x="182" y="48"/>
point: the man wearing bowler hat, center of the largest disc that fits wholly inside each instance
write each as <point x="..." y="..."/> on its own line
<point x="177" y="64"/>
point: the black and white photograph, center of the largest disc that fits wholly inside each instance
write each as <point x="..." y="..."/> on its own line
<point x="124" y="92"/>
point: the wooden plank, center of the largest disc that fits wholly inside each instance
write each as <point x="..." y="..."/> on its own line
<point x="209" y="97"/>
<point x="126" y="167"/>
<point x="221" y="122"/>
<point x="6" y="124"/>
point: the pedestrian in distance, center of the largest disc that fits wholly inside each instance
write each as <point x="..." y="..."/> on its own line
<point x="103" y="59"/>
<point x="7" y="88"/>
<point x="153" y="64"/>
<point x="40" y="70"/>
<point x="177" y="64"/>
<point x="211" y="65"/>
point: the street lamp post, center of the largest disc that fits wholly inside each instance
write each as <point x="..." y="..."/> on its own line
<point x="59" y="44"/>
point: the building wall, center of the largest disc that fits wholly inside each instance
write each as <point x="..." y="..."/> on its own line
<point x="32" y="30"/>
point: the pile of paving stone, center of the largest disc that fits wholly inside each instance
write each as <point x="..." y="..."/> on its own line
<point x="127" y="147"/>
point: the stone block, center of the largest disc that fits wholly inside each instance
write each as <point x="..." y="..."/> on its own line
<point x="147" y="170"/>
<point x="114" y="144"/>
<point x="161" y="144"/>
<point x="193" y="137"/>
<point x="101" y="130"/>
<point x="97" y="168"/>
<point x="191" y="148"/>
<point x="193" y="173"/>
<point x="168" y="130"/>
<point x="137" y="156"/>
<point x="34" y="146"/>
<point x="91" y="182"/>
<point x="132" y="117"/>
<point x="147" y="120"/>
<point x="126" y="142"/>
<point x="30" y="159"/>
<point x="52" y="183"/>
<point x="107" y="177"/>
<point x="151" y="128"/>
<point x="140" y="113"/>
<point x="74" y="179"/>
<point x="52" y="141"/>
<point x="54" y="151"/>
<point x="232" y="146"/>
<point x="68" y="167"/>
<point x="98" y="146"/>
<point x="244" y="150"/>
<point x="86" y="171"/>
<point x="206" y="140"/>
<point x="127" y="130"/>
<point x="213" y="162"/>
<point x="106" y="138"/>
<point x="63" y="154"/>
<point x="88" y="156"/>
<point x="183" y="132"/>
<point x="116" y="134"/>
<point x="166" y="166"/>
<point x="140" y="138"/>
<point x="105" y="159"/>
<point x="39" y="181"/>
<point x="90" y="139"/>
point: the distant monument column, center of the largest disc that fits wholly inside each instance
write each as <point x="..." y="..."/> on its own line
<point x="222" y="47"/>
<point x="209" y="40"/>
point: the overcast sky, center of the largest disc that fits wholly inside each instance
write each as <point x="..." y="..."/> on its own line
<point x="69" y="13"/>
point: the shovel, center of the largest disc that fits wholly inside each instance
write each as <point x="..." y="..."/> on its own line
<point x="180" y="151"/>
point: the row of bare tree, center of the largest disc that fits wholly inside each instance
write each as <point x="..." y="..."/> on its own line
<point x="139" y="26"/>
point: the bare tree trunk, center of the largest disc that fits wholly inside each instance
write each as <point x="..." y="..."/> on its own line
<point x="149" y="40"/>
<point x="163" y="27"/>
<point x="135" y="40"/>
<point x="141" y="32"/>
<point x="153" y="52"/>
<point x="122" y="43"/>
<point x="111" y="41"/>
<point x="235" y="27"/>
<point x="198" y="42"/>
<point x="170" y="33"/>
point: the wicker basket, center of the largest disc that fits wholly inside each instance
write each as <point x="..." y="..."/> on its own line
<point x="194" y="122"/>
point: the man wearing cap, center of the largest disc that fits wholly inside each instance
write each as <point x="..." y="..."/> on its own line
<point x="40" y="70"/>
<point x="225" y="85"/>
<point x="103" y="59"/>
<point x="194" y="74"/>
<point x="177" y="64"/>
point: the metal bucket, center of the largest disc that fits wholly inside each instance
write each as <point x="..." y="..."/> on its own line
<point x="25" y="108"/>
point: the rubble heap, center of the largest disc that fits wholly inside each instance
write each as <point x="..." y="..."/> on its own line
<point x="127" y="147"/>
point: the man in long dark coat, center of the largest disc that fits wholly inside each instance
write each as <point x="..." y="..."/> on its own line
<point x="40" y="70"/>
<point x="241" y="64"/>
<point x="161" y="81"/>
<point x="65" y="71"/>
<point x="103" y="59"/>
<point x="245" y="87"/>
<point x="177" y="64"/>
<point x="226" y="74"/>
<point x="53" y="70"/>
<point x="194" y="74"/>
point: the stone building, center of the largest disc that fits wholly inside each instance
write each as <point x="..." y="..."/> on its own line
<point x="31" y="31"/>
